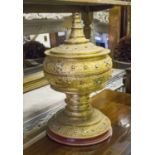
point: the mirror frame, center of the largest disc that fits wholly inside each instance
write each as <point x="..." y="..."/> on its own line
<point x="34" y="81"/>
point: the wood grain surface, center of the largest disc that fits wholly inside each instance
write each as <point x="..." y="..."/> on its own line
<point x="117" y="107"/>
<point x="39" y="6"/>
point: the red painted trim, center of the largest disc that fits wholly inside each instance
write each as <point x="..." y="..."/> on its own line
<point x="77" y="141"/>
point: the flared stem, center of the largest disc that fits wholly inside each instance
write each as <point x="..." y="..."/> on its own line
<point x="78" y="106"/>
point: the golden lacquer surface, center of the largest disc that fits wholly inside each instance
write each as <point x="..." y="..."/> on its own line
<point x="78" y="68"/>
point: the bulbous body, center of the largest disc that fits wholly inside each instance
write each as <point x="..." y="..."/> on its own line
<point x="76" y="72"/>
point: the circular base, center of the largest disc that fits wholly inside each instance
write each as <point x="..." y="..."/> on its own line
<point x="79" y="142"/>
<point x="80" y="132"/>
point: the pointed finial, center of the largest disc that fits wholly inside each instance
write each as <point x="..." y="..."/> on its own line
<point x="77" y="34"/>
<point x="77" y="29"/>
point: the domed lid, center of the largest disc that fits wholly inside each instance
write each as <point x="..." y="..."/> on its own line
<point x="77" y="45"/>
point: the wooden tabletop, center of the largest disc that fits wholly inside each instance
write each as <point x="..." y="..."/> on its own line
<point x="70" y="5"/>
<point x="117" y="107"/>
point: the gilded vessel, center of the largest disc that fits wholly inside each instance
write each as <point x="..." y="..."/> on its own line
<point x="78" y="68"/>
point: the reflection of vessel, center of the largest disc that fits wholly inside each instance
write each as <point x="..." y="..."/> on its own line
<point x="78" y="68"/>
